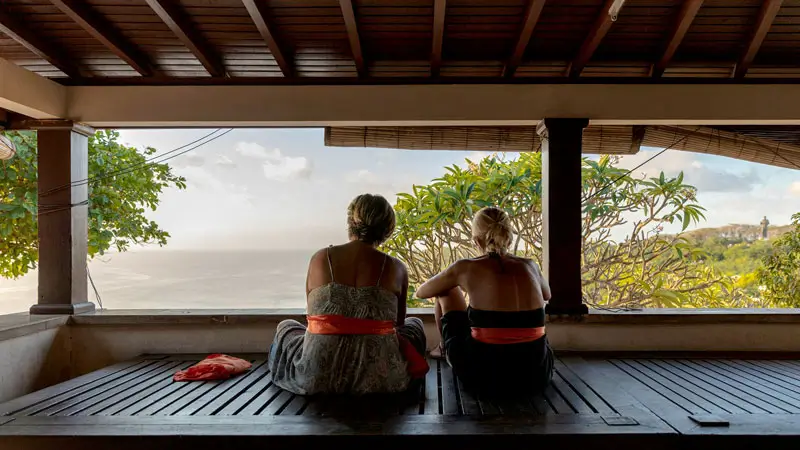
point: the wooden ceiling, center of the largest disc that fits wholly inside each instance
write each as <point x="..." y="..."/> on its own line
<point x="311" y="41"/>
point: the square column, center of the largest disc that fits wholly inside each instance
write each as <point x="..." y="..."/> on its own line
<point x="562" y="142"/>
<point x="63" y="149"/>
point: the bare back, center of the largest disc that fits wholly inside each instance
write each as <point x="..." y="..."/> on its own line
<point x="502" y="283"/>
<point x="498" y="283"/>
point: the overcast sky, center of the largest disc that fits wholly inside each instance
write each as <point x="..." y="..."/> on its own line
<point x="282" y="188"/>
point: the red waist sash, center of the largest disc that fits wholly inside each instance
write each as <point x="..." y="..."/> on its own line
<point x="506" y="335"/>
<point x="342" y="325"/>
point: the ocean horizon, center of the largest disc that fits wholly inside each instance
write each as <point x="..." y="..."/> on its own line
<point x="184" y="279"/>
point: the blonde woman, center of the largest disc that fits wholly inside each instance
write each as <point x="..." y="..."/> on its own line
<point x="358" y="339"/>
<point x="496" y="343"/>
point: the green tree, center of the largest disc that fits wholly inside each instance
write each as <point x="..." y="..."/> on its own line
<point x="645" y="269"/>
<point x="780" y="274"/>
<point x="124" y="187"/>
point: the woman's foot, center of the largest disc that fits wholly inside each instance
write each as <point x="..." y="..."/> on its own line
<point x="438" y="352"/>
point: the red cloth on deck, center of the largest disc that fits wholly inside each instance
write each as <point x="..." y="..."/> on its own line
<point x="214" y="367"/>
<point x="417" y="366"/>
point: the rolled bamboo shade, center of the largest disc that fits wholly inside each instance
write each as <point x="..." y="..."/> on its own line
<point x="606" y="139"/>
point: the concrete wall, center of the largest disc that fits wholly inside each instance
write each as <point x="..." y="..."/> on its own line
<point x="33" y="361"/>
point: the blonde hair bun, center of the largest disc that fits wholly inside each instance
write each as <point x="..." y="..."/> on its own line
<point x="492" y="227"/>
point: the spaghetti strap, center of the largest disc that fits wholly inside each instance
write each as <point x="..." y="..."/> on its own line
<point x="383" y="266"/>
<point x="330" y="265"/>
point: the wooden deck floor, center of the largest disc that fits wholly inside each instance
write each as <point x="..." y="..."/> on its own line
<point x="657" y="402"/>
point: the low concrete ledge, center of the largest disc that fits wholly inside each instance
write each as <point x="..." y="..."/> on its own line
<point x="22" y="324"/>
<point x="596" y="317"/>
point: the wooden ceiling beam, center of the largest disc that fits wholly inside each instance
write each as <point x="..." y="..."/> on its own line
<point x="532" y="15"/>
<point x="596" y="34"/>
<point x="682" y="23"/>
<point x="13" y="27"/>
<point x="352" y="35"/>
<point x="769" y="10"/>
<point x="180" y="25"/>
<point x="102" y="30"/>
<point x="258" y="14"/>
<point x="439" y="9"/>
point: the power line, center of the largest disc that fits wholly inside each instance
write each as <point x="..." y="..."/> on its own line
<point x="143" y="164"/>
<point x="613" y="182"/>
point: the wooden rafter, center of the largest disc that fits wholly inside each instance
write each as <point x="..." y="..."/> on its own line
<point x="352" y="34"/>
<point x="769" y="9"/>
<point x="684" y="20"/>
<point x="177" y="21"/>
<point x="104" y="31"/>
<point x="439" y="9"/>
<point x="596" y="34"/>
<point x="532" y="15"/>
<point x="13" y="27"/>
<point x="258" y="13"/>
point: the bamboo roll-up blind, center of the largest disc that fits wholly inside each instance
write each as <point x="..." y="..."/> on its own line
<point x="596" y="140"/>
<point x="723" y="143"/>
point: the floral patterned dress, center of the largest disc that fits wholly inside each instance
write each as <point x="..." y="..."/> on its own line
<point x="306" y="363"/>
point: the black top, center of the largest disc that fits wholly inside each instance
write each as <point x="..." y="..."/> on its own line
<point x="482" y="318"/>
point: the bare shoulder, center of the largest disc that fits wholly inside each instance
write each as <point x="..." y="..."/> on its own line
<point x="319" y="256"/>
<point x="397" y="265"/>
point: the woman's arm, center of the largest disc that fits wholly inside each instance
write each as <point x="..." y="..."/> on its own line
<point x="545" y="285"/>
<point x="443" y="282"/>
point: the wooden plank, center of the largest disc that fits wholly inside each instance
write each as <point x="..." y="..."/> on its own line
<point x="450" y="400"/>
<point x="177" y="21"/>
<point x="258" y="12"/>
<point x="86" y="401"/>
<point x="210" y="402"/>
<point x="243" y="398"/>
<point x="789" y="380"/>
<point x="188" y="399"/>
<point x="121" y="394"/>
<point x="439" y="9"/>
<point x="296" y="406"/>
<point x="469" y="403"/>
<point x="734" y="387"/>
<point x="532" y="14"/>
<point x="594" y="401"/>
<point x="15" y="28"/>
<point x="317" y="406"/>
<point x="785" y="370"/>
<point x="164" y="402"/>
<point x="260" y="402"/>
<point x="683" y="21"/>
<point x="596" y="34"/>
<point x="251" y="381"/>
<point x="417" y="398"/>
<point x="141" y="396"/>
<point x="649" y="392"/>
<point x="59" y="403"/>
<point x="277" y="405"/>
<point x="756" y="378"/>
<point x="102" y="30"/>
<point x="720" y="397"/>
<point x="769" y="10"/>
<point x="569" y="395"/>
<point x="352" y="35"/>
<point x="431" y="404"/>
<point x="667" y="386"/>
<point x="165" y="390"/>
<point x="557" y="402"/>
<point x="71" y="387"/>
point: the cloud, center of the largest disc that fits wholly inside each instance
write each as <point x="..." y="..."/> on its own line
<point x="224" y="162"/>
<point x="697" y="174"/>
<point x="275" y="165"/>
<point x="190" y="159"/>
<point x="362" y="176"/>
<point x="794" y="189"/>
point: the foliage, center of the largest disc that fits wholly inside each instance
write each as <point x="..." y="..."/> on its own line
<point x="123" y="189"/>
<point x="780" y="275"/>
<point x="646" y="268"/>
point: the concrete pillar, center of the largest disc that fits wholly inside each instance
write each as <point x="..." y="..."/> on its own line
<point x="63" y="218"/>
<point x="562" y="140"/>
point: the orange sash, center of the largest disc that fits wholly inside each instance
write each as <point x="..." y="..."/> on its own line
<point x="506" y="335"/>
<point x="342" y="325"/>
